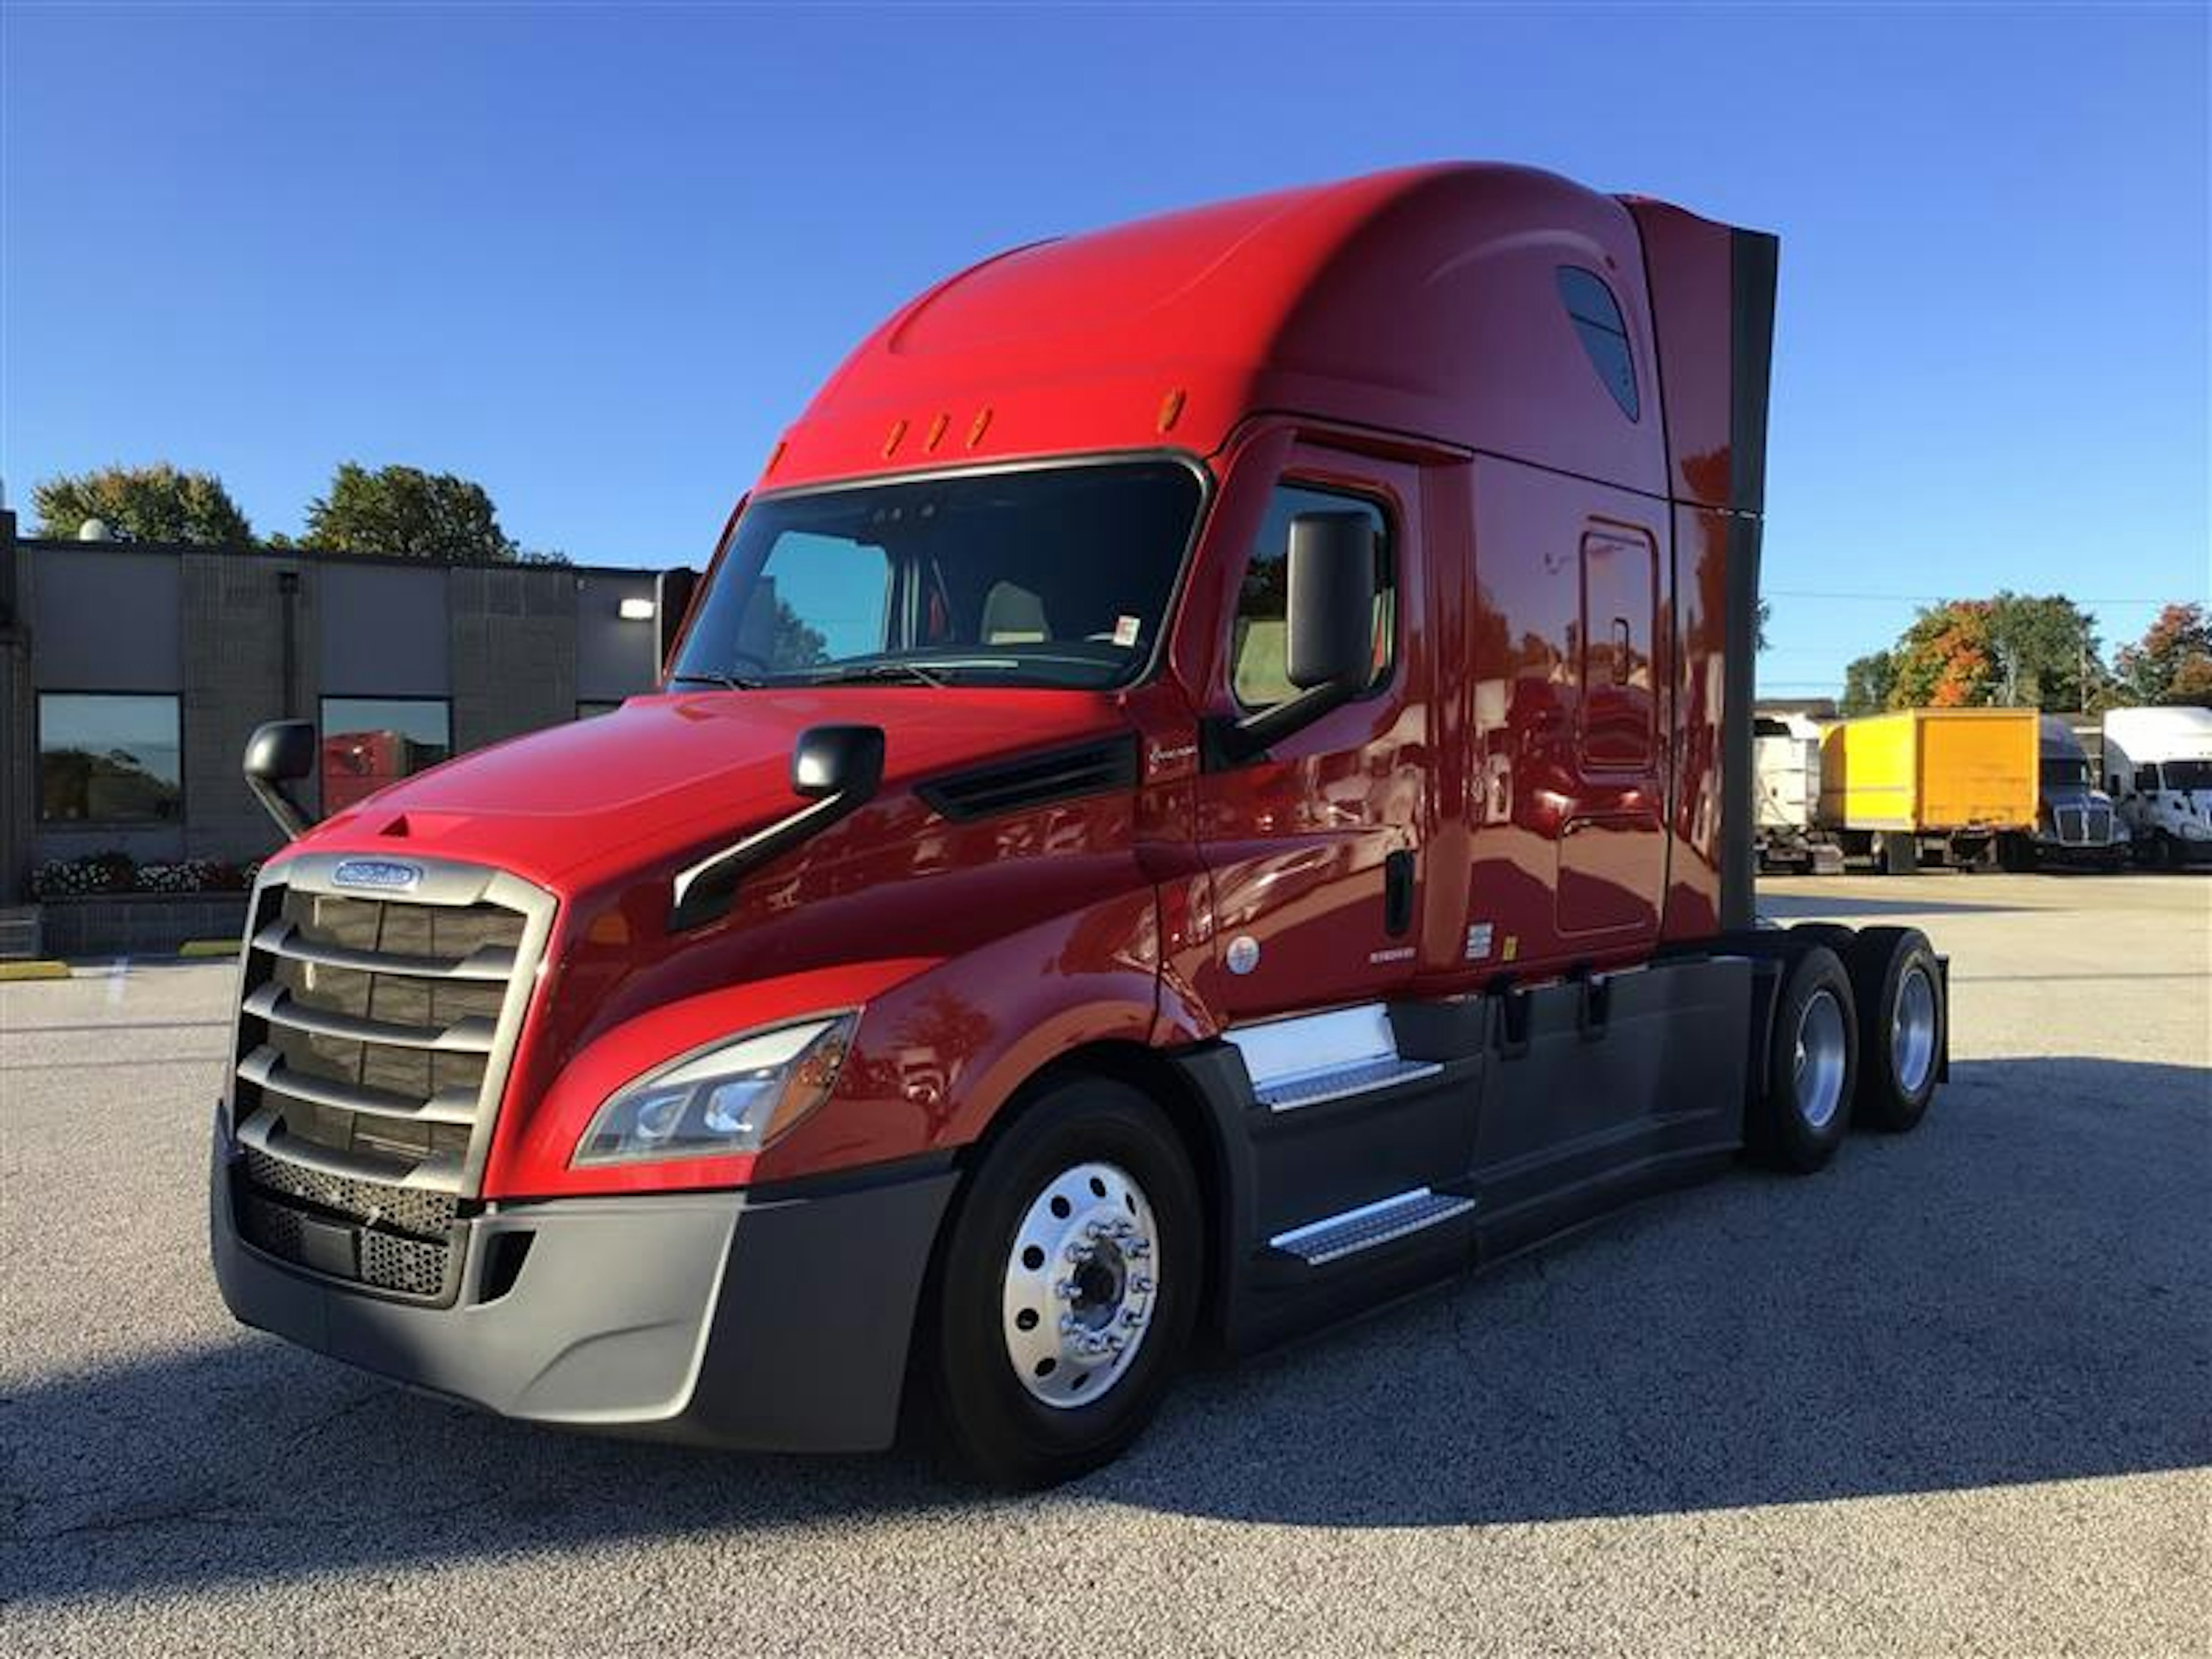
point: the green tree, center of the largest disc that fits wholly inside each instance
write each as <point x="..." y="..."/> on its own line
<point x="156" y="504"/>
<point x="405" y="512"/>
<point x="2173" y="661"/>
<point x="1867" y="682"/>
<point x="2046" y="649"/>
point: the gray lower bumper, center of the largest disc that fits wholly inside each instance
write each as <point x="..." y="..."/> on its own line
<point x="719" y="1318"/>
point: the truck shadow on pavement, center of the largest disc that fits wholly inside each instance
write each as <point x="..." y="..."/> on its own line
<point x="2015" y="1294"/>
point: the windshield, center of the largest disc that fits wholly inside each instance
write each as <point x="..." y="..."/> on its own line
<point x="2191" y="775"/>
<point x="1055" y="576"/>
<point x="2071" y="772"/>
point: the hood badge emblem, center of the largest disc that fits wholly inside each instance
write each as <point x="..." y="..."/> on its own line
<point x="385" y="875"/>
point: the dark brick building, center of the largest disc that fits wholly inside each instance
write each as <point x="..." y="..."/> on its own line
<point x="131" y="676"/>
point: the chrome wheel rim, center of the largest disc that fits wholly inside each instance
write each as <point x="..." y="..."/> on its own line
<point x="1912" y="1030"/>
<point x="1080" y="1285"/>
<point x="1817" y="1062"/>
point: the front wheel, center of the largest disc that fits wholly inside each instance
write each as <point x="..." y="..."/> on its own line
<point x="1069" y="1286"/>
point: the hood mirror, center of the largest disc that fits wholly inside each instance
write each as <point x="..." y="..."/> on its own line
<point x="279" y="753"/>
<point x="837" y="760"/>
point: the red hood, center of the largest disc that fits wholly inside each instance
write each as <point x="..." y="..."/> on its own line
<point x="663" y="773"/>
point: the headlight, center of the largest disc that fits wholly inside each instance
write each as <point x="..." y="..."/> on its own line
<point x="734" y="1097"/>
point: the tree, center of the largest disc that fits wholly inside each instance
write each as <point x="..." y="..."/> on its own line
<point x="1764" y="615"/>
<point x="2173" y="661"/>
<point x="405" y="512"/>
<point x="1946" y="658"/>
<point x="156" y="504"/>
<point x="2046" y="650"/>
<point x="1867" y="682"/>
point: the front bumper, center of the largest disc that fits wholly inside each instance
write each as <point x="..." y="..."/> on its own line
<point x="727" y="1319"/>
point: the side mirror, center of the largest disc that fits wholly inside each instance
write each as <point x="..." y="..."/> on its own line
<point x="1329" y="653"/>
<point x="837" y="760"/>
<point x="1331" y="601"/>
<point x="672" y="601"/>
<point x="837" y="768"/>
<point x="279" y="753"/>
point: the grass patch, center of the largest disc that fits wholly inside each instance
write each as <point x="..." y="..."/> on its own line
<point x="16" y="970"/>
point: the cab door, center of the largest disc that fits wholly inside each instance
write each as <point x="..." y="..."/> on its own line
<point x="1612" y="849"/>
<point x="1314" y="850"/>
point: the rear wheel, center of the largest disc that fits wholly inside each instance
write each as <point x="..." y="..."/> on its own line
<point x="1899" y="986"/>
<point x="1804" y="1109"/>
<point x="1068" y="1289"/>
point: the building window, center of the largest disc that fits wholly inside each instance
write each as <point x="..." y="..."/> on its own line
<point x="369" y="742"/>
<point x="1596" y="317"/>
<point x="1259" y="662"/>
<point x="108" y="759"/>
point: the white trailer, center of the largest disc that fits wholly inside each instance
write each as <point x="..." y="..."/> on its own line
<point x="1785" y="770"/>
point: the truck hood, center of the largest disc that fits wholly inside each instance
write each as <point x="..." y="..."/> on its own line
<point x="664" y="773"/>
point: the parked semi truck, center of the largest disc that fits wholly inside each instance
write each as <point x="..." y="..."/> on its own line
<point x="2075" y="822"/>
<point x="2158" y="766"/>
<point x="1206" y="786"/>
<point x="1785" y="769"/>
<point x="1929" y="784"/>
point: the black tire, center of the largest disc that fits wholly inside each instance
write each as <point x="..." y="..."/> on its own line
<point x="1896" y="1084"/>
<point x="1899" y="855"/>
<point x="991" y="1425"/>
<point x="1793" y="1128"/>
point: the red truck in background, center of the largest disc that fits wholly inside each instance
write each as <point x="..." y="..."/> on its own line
<point x="1206" y="786"/>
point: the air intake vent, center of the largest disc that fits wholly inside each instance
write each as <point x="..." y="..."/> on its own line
<point x="1093" y="769"/>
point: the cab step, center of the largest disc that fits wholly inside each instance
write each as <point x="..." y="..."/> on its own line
<point x="1335" y="1236"/>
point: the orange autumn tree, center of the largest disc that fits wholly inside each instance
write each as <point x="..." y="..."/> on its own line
<point x="1947" y="659"/>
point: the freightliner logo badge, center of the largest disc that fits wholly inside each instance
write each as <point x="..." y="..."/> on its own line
<point x="387" y="875"/>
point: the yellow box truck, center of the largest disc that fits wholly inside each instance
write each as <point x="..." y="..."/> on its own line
<point x="1928" y="782"/>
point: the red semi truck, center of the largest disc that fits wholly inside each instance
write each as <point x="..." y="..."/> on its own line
<point x="1206" y="786"/>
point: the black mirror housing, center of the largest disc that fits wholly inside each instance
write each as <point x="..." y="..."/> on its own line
<point x="279" y="753"/>
<point x="837" y="760"/>
<point x="1331" y="600"/>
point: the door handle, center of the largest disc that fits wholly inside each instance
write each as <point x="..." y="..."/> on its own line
<point x="1397" y="893"/>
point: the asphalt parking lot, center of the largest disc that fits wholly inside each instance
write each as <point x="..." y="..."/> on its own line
<point x="1954" y="1395"/>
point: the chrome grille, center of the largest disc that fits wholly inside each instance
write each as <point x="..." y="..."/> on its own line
<point x="2068" y="820"/>
<point x="374" y="1039"/>
<point x="2100" y="826"/>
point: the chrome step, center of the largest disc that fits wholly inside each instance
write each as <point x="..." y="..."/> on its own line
<point x="1310" y="1058"/>
<point x="1335" y="1236"/>
<point x="1311" y="1088"/>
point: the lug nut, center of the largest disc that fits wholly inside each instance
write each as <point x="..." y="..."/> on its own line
<point x="1138" y="1247"/>
<point x="1065" y="1290"/>
<point x="1078" y="1251"/>
<point x="1141" y="1284"/>
<point x="1132" y="1318"/>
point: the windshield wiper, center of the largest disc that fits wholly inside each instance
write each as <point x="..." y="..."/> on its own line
<point x="895" y="668"/>
<point x="727" y="682"/>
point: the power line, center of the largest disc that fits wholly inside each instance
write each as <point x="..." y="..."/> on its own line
<point x="1930" y="599"/>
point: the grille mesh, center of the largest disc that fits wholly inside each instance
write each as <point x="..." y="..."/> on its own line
<point x="426" y="1215"/>
<point x="387" y="1261"/>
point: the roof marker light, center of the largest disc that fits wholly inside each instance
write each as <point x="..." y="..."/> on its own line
<point x="1171" y="409"/>
<point x="891" y="443"/>
<point x="982" y="425"/>
<point x="936" y="433"/>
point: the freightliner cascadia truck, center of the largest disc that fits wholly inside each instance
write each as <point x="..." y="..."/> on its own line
<point x="1205" y="788"/>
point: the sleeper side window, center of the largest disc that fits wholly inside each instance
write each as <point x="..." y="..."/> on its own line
<point x="1259" y="645"/>
<point x="1597" y="321"/>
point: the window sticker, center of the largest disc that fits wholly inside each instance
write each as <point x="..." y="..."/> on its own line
<point x="1126" y="629"/>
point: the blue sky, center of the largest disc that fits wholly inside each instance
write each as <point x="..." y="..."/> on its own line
<point x="596" y="259"/>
